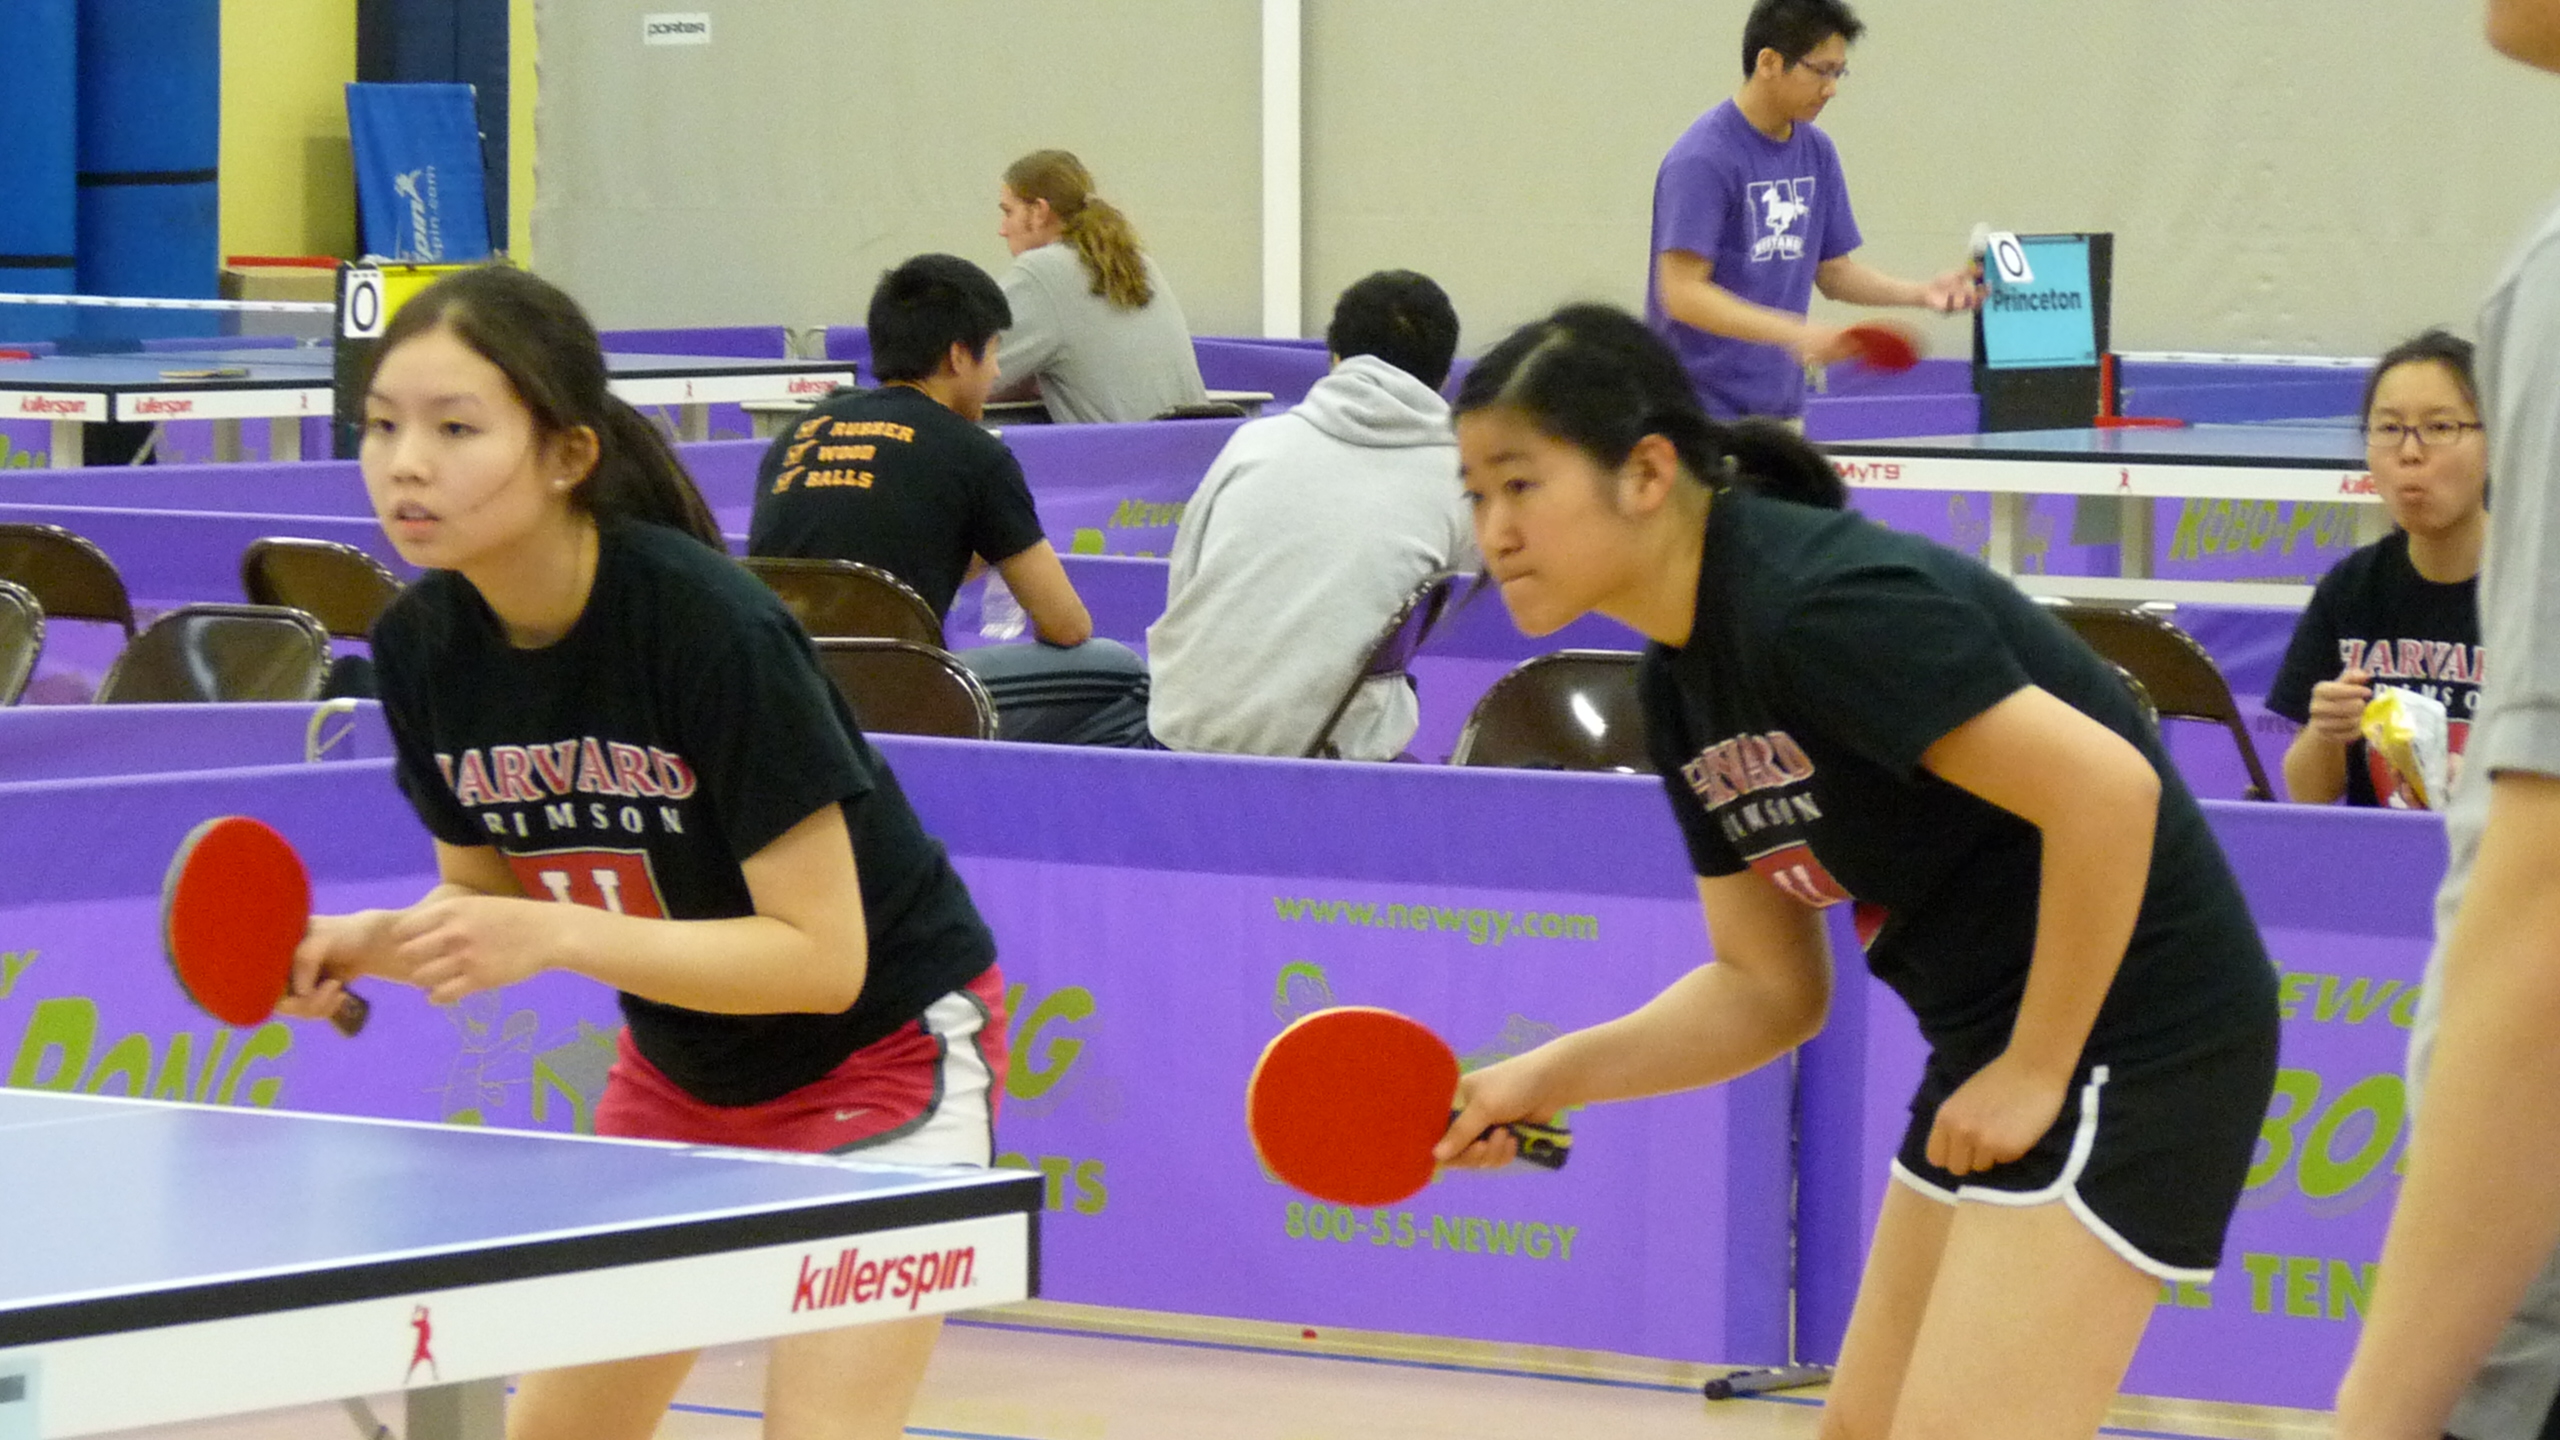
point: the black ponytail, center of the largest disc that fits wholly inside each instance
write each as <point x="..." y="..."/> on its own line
<point x="545" y="346"/>
<point x="1593" y="377"/>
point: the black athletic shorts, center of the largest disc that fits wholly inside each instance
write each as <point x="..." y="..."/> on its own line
<point x="2149" y="1154"/>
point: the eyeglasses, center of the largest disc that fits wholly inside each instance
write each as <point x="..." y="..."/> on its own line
<point x="1831" y="70"/>
<point x="2387" y="435"/>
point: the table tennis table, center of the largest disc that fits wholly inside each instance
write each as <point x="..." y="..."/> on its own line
<point x="285" y="385"/>
<point x="2321" y="460"/>
<point x="168" y="1262"/>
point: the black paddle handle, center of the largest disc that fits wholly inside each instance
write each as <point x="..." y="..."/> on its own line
<point x="353" y="1010"/>
<point x="1545" y="1146"/>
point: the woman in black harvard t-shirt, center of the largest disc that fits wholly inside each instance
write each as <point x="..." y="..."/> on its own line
<point x="1846" y="714"/>
<point x="592" y="703"/>
<point x="2403" y="611"/>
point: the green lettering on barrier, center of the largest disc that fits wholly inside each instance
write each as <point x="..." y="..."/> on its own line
<point x="13" y="963"/>
<point x="62" y="1028"/>
<point x="1032" y="1072"/>
<point x="2291" y="990"/>
<point x="129" y="1057"/>
<point x="548" y="1082"/>
<point x="1054" y="1170"/>
<point x="2302" y="1286"/>
<point x="2321" y="1174"/>
<point x="2353" y="1003"/>
<point x="2350" y="1289"/>
<point x="1445" y="1233"/>
<point x="268" y="1042"/>
<point x="2295" y="1093"/>
<point x="2262" y="1281"/>
<point x="2404" y="1011"/>
<point x="1092" y="1196"/>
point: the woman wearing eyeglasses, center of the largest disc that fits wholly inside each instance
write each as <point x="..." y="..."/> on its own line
<point x="2401" y="611"/>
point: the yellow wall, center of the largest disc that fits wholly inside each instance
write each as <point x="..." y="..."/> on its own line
<point x="520" y="149"/>
<point x="287" y="185"/>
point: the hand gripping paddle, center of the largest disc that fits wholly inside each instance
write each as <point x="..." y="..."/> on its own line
<point x="1885" y="346"/>
<point x="233" y="907"/>
<point x="1346" y="1104"/>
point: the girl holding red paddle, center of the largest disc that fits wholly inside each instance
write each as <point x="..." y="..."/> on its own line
<point x="1845" y="714"/>
<point x="593" y="704"/>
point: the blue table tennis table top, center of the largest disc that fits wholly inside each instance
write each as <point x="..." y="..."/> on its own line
<point x="2317" y="443"/>
<point x="128" y="1214"/>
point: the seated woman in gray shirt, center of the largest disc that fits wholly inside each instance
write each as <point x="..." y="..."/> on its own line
<point x="1095" y="327"/>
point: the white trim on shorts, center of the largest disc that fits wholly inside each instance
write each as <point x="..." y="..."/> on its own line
<point x="957" y="1127"/>
<point x="2065" y="1188"/>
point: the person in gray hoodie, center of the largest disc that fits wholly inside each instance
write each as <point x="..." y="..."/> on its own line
<point x="1308" y="532"/>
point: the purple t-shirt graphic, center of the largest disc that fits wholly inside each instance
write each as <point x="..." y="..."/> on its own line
<point x="1766" y="213"/>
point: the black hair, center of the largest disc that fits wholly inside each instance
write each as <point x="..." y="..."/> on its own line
<point x="1795" y="28"/>
<point x="2439" y="346"/>
<point x="1593" y="377"/>
<point x="1400" y="317"/>
<point x="927" y="305"/>
<point x="546" y="347"/>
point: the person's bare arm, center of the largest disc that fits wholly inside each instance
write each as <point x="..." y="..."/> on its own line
<point x="1039" y="581"/>
<point x="2478" y="1214"/>
<point x="1686" y="282"/>
<point x="805" y="949"/>
<point x="2315" y="764"/>
<point x="1766" y="991"/>
<point x="2095" y="800"/>
<point x="1852" y="281"/>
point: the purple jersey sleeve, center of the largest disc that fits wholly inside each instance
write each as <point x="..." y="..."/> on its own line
<point x="1839" y="227"/>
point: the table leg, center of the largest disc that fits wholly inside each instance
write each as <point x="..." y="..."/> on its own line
<point x="2133" y="541"/>
<point x="284" y="437"/>
<point x="2008" y="523"/>
<point x="226" y="442"/>
<point x="70" y="444"/>
<point x="472" y="1410"/>
<point x="693" y="422"/>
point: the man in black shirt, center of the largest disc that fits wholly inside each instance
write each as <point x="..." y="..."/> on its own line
<point x="903" y="477"/>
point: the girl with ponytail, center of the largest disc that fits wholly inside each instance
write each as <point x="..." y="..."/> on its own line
<point x="1094" y="327"/>
<point x="635" y="771"/>
<point x="1845" y="714"/>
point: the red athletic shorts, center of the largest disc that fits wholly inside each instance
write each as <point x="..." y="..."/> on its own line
<point x="924" y="1094"/>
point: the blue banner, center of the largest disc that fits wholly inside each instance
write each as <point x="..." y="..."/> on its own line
<point x="2049" y="322"/>
<point x="419" y="194"/>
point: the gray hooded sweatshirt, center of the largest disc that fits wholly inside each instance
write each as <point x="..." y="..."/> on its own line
<point x="1309" y="531"/>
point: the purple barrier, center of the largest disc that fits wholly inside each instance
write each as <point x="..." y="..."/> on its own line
<point x="63" y="743"/>
<point x="743" y="342"/>
<point x="2238" y="393"/>
<point x="1940" y="376"/>
<point x="852" y="342"/>
<point x="1257" y="903"/>
<point x="174" y="556"/>
<point x="308" y="487"/>
<point x="1225" y="895"/>
<point x="2277" y="1324"/>
<point x="1886" y="417"/>
<point x="1287" y="372"/>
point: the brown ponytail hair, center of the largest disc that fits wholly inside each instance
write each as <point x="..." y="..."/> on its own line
<point x="543" y="343"/>
<point x="1102" y="235"/>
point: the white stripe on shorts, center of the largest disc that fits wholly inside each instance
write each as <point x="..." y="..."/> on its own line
<point x="958" y="1126"/>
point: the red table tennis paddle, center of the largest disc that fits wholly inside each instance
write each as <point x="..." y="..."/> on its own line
<point x="234" y="905"/>
<point x="1346" y="1104"/>
<point x="1884" y="345"/>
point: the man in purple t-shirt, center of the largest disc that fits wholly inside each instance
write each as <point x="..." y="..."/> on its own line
<point x="1751" y="216"/>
